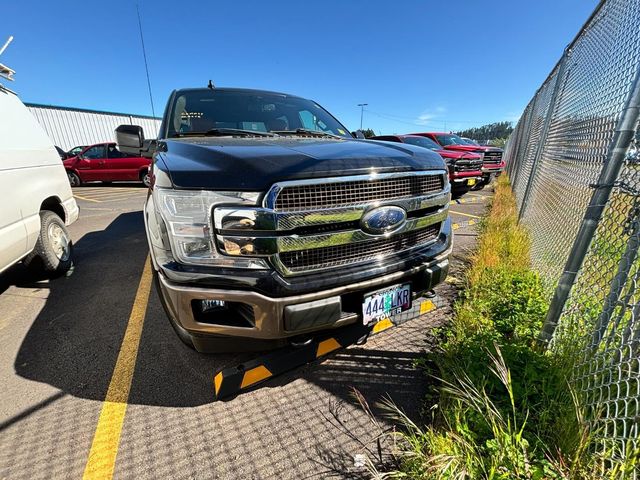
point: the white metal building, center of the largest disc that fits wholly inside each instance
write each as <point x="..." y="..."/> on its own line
<point x="70" y="127"/>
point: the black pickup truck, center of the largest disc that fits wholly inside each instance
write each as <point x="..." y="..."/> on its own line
<point x="268" y="221"/>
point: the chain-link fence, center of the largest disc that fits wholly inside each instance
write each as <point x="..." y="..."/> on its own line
<point x="574" y="165"/>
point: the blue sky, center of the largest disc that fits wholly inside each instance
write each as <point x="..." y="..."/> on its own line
<point x="420" y="65"/>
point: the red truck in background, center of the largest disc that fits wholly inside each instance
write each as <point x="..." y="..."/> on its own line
<point x="492" y="166"/>
<point x="465" y="168"/>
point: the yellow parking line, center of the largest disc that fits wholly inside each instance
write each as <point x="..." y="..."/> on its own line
<point x="85" y="198"/>
<point x="104" y="448"/>
<point x="116" y="197"/>
<point x="464" y="214"/>
<point x="112" y="193"/>
<point x="480" y="195"/>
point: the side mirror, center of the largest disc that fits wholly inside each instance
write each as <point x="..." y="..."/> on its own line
<point x="358" y="134"/>
<point x="130" y="139"/>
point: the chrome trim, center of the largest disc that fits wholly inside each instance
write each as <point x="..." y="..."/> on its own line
<point x="263" y="231"/>
<point x="249" y="219"/>
<point x="269" y="200"/>
<point x="281" y="267"/>
<point x="238" y="245"/>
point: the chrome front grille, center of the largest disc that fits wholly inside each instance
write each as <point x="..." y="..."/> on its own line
<point x="467" y="165"/>
<point x="296" y="198"/>
<point x="341" y="255"/>
<point x="306" y="226"/>
<point x="493" y="157"/>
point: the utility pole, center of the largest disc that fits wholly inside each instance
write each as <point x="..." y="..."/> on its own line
<point x="362" y="105"/>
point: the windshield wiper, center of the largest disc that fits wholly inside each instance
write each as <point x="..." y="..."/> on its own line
<point x="223" y="132"/>
<point x="306" y="131"/>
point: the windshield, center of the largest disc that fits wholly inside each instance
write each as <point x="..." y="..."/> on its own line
<point x="450" y="139"/>
<point x="201" y="111"/>
<point x="422" y="142"/>
<point x="468" y="141"/>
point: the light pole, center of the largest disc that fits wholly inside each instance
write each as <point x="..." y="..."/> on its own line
<point x="362" y="105"/>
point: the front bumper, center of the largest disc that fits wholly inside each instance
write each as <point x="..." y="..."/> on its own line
<point x="71" y="210"/>
<point x="276" y="320"/>
<point x="493" y="167"/>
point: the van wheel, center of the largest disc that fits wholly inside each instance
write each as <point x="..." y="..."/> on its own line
<point x="54" y="246"/>
<point x="145" y="177"/>
<point x="74" y="179"/>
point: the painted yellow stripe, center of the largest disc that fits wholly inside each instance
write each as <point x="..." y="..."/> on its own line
<point x="254" y="376"/>
<point x="116" y="192"/>
<point x="427" y="306"/>
<point x="463" y="214"/>
<point x="217" y="382"/>
<point x="326" y="346"/>
<point x="382" y="325"/>
<point x="85" y="198"/>
<point x="102" y="457"/>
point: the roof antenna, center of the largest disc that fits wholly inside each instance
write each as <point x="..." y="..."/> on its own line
<point x="211" y="85"/>
<point x="144" y="54"/>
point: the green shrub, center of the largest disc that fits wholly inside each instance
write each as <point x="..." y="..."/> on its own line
<point x="504" y="408"/>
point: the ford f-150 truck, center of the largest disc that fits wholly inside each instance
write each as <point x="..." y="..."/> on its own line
<point x="268" y="222"/>
<point x="493" y="164"/>
<point x="465" y="169"/>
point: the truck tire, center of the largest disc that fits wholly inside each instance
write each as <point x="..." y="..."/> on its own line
<point x="74" y="179"/>
<point x="53" y="247"/>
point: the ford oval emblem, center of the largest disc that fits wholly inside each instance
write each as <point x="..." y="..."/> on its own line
<point x="383" y="220"/>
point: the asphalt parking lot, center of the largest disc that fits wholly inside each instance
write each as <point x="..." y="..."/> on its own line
<point x="100" y="333"/>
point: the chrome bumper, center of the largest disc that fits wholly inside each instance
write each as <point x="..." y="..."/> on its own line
<point x="269" y="313"/>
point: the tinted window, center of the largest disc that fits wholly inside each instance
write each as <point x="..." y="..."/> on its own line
<point x="113" y="152"/>
<point x="422" y="142"/>
<point x="97" y="151"/>
<point x="76" y="150"/>
<point x="450" y="139"/>
<point x="386" y="138"/>
<point x="200" y="110"/>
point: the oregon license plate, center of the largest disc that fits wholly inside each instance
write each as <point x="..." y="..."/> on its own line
<point x="471" y="181"/>
<point x="386" y="303"/>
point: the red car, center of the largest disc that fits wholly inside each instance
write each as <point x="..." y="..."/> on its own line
<point x="103" y="162"/>
<point x="493" y="165"/>
<point x="465" y="169"/>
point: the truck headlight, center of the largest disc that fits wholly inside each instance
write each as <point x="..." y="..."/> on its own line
<point x="187" y="215"/>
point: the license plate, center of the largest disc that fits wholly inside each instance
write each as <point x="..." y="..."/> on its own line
<point x="386" y="303"/>
<point x="471" y="181"/>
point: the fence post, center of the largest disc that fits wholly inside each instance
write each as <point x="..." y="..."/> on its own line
<point x="544" y="131"/>
<point x="521" y="141"/>
<point x="602" y="190"/>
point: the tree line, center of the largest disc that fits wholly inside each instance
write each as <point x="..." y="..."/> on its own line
<point x="488" y="133"/>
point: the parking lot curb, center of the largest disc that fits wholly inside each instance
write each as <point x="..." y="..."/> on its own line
<point x="233" y="380"/>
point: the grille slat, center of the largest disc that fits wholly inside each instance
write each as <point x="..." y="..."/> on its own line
<point x="493" y="157"/>
<point x="341" y="255"/>
<point x="309" y="197"/>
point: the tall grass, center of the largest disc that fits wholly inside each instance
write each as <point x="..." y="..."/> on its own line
<point x="502" y="408"/>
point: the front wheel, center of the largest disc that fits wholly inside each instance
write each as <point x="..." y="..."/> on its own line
<point x="145" y="177"/>
<point x="74" y="179"/>
<point x="54" y="246"/>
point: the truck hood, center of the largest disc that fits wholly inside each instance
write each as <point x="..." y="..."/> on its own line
<point x="457" y="155"/>
<point x="472" y="148"/>
<point x="254" y="164"/>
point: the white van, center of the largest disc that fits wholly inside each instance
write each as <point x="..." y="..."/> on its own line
<point x="36" y="203"/>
